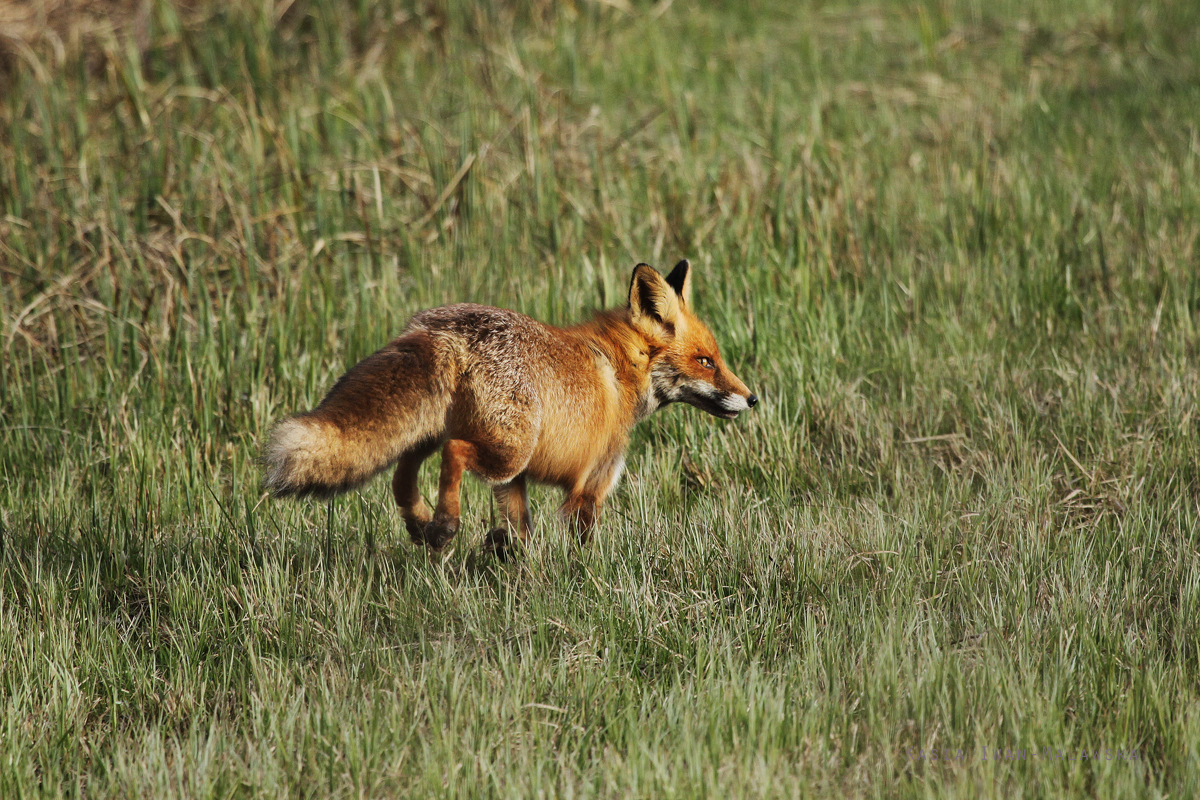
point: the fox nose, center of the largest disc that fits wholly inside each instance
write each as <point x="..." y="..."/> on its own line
<point x="752" y="400"/>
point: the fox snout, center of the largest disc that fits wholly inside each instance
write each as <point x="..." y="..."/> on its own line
<point x="732" y="396"/>
<point x="730" y="404"/>
<point x="723" y="406"/>
<point x="734" y="404"/>
<point x="724" y="396"/>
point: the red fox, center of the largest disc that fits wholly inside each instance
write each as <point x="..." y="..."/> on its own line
<point x="507" y="398"/>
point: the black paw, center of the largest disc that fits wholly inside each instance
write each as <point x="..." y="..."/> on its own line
<point x="416" y="528"/>
<point x="439" y="531"/>
<point x="499" y="544"/>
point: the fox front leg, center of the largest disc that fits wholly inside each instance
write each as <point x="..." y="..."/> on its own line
<point x="582" y="506"/>
<point x="580" y="511"/>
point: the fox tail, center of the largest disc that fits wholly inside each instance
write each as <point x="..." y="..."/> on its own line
<point x="389" y="403"/>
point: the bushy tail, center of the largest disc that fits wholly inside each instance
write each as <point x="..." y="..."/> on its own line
<point x="390" y="403"/>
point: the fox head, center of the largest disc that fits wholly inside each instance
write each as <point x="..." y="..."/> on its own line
<point x="685" y="364"/>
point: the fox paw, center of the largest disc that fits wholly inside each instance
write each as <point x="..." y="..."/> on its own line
<point x="415" y="524"/>
<point x="439" y="531"/>
<point x="501" y="545"/>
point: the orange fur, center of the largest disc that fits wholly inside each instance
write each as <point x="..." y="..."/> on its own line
<point x="507" y="398"/>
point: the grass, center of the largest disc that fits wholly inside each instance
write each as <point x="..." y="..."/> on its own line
<point x="952" y="246"/>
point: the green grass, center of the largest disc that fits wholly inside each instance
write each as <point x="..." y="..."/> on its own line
<point x="952" y="246"/>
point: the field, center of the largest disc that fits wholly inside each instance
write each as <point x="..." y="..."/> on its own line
<point x="953" y="246"/>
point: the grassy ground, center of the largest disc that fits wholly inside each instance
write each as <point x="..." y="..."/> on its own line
<point x="953" y="247"/>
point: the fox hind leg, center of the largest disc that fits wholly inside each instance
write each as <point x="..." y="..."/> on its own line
<point x="513" y="500"/>
<point x="495" y="464"/>
<point x="413" y="509"/>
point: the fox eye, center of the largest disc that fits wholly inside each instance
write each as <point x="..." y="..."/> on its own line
<point x="706" y="362"/>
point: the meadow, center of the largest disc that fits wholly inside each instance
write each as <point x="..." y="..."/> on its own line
<point x="953" y="246"/>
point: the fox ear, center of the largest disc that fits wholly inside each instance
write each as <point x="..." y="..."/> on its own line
<point x="651" y="298"/>
<point x="680" y="280"/>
